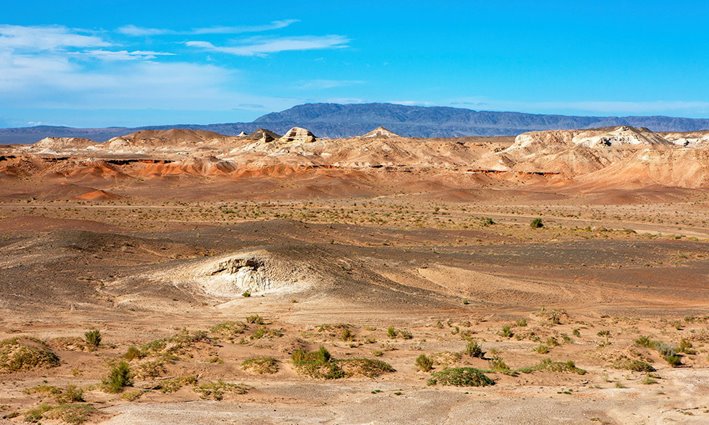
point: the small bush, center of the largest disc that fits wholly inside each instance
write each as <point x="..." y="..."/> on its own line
<point x="70" y="394"/>
<point x="346" y="334"/>
<point x="216" y="390"/>
<point x="548" y="365"/>
<point x="461" y="377"/>
<point x="172" y="385"/>
<point x="499" y="365"/>
<point x="506" y="331"/>
<point x="644" y="341"/>
<point x="132" y="395"/>
<point x="473" y="349"/>
<point x="392" y="332"/>
<point x="261" y="365"/>
<point x="521" y="322"/>
<point x="424" y="363"/>
<point x="133" y="353"/>
<point x="255" y="319"/>
<point x="542" y="349"/>
<point x="246" y="294"/>
<point x="118" y="378"/>
<point x="537" y="223"/>
<point x="369" y="368"/>
<point x="93" y="338"/>
<point x="633" y="364"/>
<point x="74" y="414"/>
<point x="317" y="364"/>
<point x="19" y="354"/>
<point x="488" y="221"/>
<point x="686" y="347"/>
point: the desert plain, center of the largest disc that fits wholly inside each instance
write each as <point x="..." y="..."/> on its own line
<point x="187" y="277"/>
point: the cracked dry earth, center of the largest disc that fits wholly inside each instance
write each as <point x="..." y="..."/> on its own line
<point x="574" y="325"/>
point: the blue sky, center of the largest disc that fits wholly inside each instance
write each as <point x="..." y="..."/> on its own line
<point x="129" y="63"/>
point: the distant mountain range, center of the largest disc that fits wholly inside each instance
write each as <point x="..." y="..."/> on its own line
<point x="336" y="120"/>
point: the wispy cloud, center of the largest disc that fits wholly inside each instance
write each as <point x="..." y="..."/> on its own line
<point x="136" y="31"/>
<point x="44" y="38"/>
<point x="263" y="47"/>
<point x="124" y="55"/>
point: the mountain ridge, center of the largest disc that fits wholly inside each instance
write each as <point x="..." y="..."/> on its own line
<point x="345" y="120"/>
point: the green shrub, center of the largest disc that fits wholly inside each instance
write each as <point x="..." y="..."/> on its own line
<point x="473" y="349"/>
<point x="93" y="338"/>
<point x="317" y="364"/>
<point x="391" y="332"/>
<point x="537" y="223"/>
<point x="424" y="363"/>
<point x="118" y="378"/>
<point x="506" y="331"/>
<point x="460" y="377"/>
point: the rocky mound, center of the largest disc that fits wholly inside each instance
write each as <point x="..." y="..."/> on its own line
<point x="688" y="140"/>
<point x="297" y="135"/>
<point x="263" y="136"/>
<point x="254" y="272"/>
<point x="164" y="138"/>
<point x="58" y="144"/>
<point x="380" y="132"/>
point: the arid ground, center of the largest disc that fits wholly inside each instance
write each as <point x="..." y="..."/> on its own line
<point x="139" y="292"/>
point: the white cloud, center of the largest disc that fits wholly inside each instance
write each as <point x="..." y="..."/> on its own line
<point x="263" y="47"/>
<point x="136" y="31"/>
<point x="124" y="55"/>
<point x="45" y="38"/>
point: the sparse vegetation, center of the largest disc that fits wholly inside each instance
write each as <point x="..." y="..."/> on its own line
<point x="392" y="333"/>
<point x="74" y="414"/>
<point x="547" y="365"/>
<point x="473" y="349"/>
<point x="369" y="368"/>
<point x="424" y="363"/>
<point x="537" y="223"/>
<point x="118" y="378"/>
<point x="633" y="365"/>
<point x="217" y="389"/>
<point x="317" y="364"/>
<point x="24" y="353"/>
<point x="255" y="319"/>
<point x="93" y="338"/>
<point x="667" y="352"/>
<point x="261" y="365"/>
<point x="460" y="377"/>
<point x="171" y="385"/>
